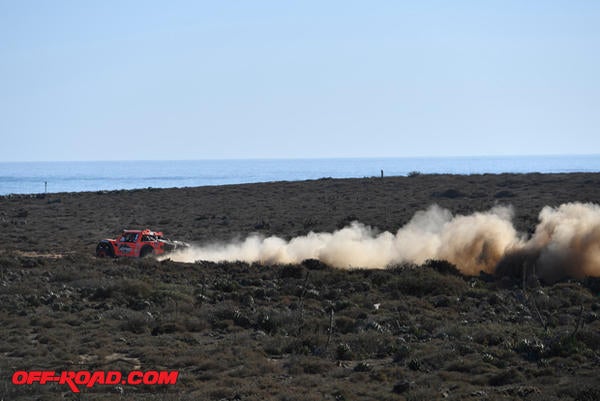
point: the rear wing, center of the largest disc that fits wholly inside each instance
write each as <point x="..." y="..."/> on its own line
<point x="145" y="233"/>
<point x="157" y="234"/>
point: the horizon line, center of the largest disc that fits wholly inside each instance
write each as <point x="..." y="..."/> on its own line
<point x="311" y="158"/>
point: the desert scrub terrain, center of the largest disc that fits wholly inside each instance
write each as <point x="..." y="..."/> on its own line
<point x="69" y="222"/>
<point x="238" y="331"/>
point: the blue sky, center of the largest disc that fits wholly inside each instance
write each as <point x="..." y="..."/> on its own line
<point x="126" y="80"/>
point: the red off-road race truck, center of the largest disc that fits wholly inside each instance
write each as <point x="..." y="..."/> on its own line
<point x="137" y="244"/>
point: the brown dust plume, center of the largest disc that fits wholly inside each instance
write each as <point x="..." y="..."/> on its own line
<point x="565" y="242"/>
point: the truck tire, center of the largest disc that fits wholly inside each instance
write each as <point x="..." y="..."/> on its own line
<point x="146" y="251"/>
<point x="104" y="250"/>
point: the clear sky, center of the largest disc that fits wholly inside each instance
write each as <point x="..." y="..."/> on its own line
<point x="120" y="80"/>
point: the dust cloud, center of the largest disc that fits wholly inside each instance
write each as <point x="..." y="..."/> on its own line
<point x="565" y="242"/>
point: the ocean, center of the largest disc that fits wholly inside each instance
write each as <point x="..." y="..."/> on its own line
<point x="52" y="177"/>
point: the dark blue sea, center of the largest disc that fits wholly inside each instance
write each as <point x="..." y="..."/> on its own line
<point x="38" y="177"/>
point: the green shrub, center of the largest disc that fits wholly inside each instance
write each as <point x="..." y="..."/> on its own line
<point x="343" y="352"/>
<point x="509" y="376"/>
<point x="424" y="281"/>
<point x="137" y="322"/>
<point x="344" y="325"/>
<point x="292" y="271"/>
<point x="134" y="289"/>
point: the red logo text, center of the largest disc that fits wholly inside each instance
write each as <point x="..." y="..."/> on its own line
<point x="85" y="378"/>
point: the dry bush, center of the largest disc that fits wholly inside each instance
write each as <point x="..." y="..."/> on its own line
<point x="137" y="322"/>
